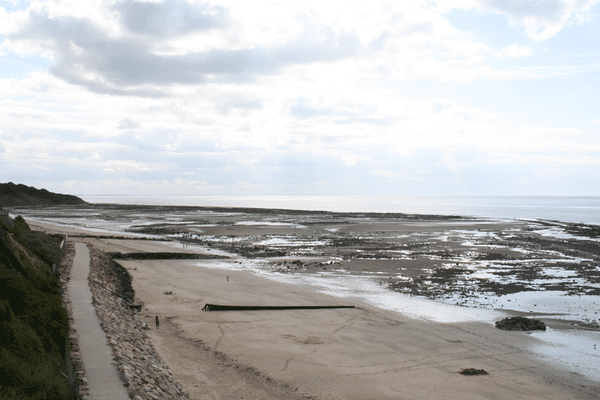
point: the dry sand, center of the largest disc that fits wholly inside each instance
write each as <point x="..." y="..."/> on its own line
<point x="361" y="353"/>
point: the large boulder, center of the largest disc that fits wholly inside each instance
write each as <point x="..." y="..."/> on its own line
<point x="521" y="324"/>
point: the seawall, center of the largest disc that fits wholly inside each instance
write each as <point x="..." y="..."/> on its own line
<point x="143" y="372"/>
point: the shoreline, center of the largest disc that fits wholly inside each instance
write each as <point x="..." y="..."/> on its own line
<point x="166" y="267"/>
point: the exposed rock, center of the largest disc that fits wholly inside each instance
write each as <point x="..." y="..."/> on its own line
<point x="473" y="371"/>
<point x="521" y="324"/>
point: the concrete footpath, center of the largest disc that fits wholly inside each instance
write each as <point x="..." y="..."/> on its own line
<point x="100" y="370"/>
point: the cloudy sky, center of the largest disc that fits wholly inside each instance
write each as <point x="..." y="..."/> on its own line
<point x="185" y="97"/>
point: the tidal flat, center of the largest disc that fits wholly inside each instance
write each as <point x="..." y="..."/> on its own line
<point x="445" y="269"/>
<point x="505" y="264"/>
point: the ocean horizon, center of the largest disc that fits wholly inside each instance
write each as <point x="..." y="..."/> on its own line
<point x="574" y="209"/>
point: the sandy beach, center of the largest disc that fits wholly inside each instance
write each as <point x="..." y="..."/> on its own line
<point x="357" y="353"/>
<point x="360" y="353"/>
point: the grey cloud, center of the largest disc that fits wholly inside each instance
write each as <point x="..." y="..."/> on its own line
<point x="81" y="49"/>
<point x="126" y="123"/>
<point x="86" y="56"/>
<point x="170" y="18"/>
<point x="526" y="8"/>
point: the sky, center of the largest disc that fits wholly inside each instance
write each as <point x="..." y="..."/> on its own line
<point x="185" y="97"/>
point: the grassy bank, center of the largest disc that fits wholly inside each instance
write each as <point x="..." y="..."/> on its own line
<point x="33" y="323"/>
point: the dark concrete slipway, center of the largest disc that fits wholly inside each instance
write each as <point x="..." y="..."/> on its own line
<point x="100" y="370"/>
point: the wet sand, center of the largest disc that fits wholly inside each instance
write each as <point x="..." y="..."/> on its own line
<point x="361" y="353"/>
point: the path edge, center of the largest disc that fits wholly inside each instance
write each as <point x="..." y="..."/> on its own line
<point x="72" y="356"/>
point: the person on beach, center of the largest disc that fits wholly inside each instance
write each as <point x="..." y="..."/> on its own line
<point x="156" y="319"/>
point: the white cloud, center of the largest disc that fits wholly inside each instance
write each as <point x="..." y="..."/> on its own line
<point x="127" y="123"/>
<point x="135" y="187"/>
<point x="515" y="51"/>
<point x="386" y="173"/>
<point x="122" y="165"/>
<point x="75" y="186"/>
<point x="542" y="19"/>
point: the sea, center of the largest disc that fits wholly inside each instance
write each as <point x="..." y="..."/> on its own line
<point x="582" y="209"/>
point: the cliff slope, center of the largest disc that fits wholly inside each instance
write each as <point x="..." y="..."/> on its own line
<point x="33" y="322"/>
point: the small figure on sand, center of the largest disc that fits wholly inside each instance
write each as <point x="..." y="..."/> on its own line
<point x="157" y="323"/>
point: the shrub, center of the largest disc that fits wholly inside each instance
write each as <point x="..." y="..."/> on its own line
<point x="24" y="363"/>
<point x="33" y="322"/>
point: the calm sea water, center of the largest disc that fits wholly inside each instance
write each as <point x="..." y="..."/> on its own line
<point x="566" y="209"/>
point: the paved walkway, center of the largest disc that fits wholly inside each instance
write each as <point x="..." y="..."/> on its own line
<point x="100" y="369"/>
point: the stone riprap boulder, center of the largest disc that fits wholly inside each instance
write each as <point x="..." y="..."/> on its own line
<point x="521" y="324"/>
<point x="146" y="375"/>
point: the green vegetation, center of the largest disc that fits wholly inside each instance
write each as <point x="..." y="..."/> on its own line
<point x="12" y="195"/>
<point x="33" y="322"/>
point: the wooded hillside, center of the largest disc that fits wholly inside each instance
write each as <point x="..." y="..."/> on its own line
<point x="12" y="195"/>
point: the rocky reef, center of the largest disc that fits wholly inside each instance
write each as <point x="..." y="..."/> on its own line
<point x="521" y="324"/>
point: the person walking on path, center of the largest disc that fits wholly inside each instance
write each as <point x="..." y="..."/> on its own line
<point x="156" y="319"/>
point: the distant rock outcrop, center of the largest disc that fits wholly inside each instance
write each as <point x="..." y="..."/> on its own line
<point x="521" y="324"/>
<point x="12" y="195"/>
